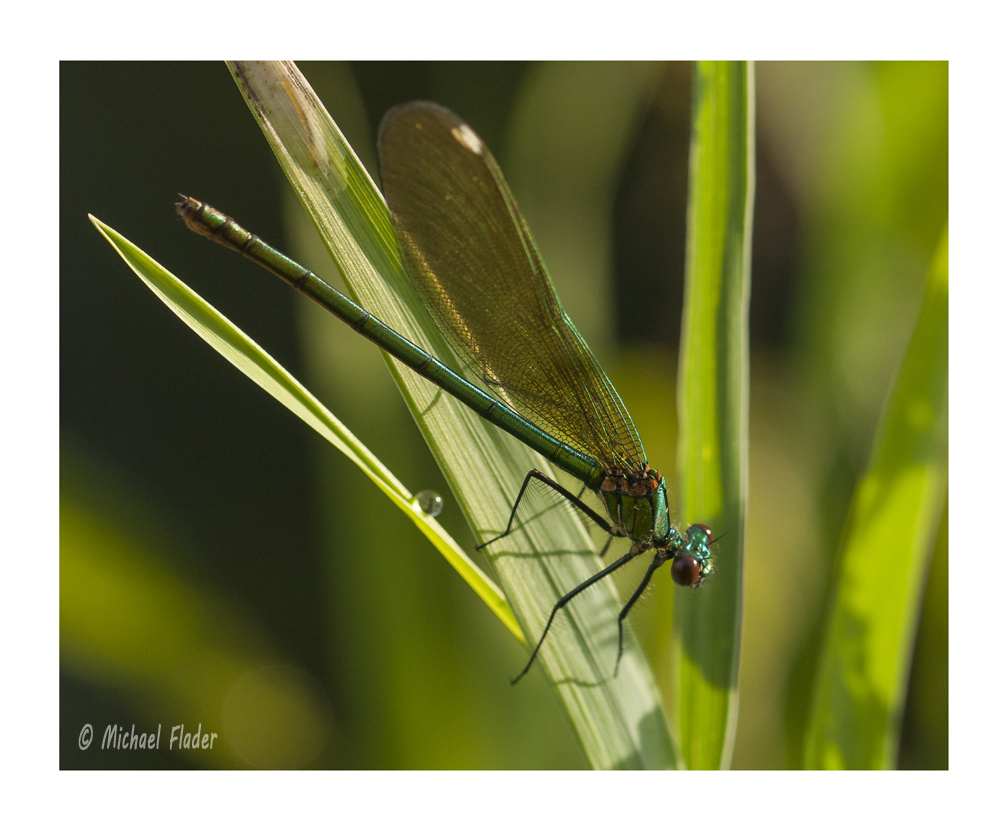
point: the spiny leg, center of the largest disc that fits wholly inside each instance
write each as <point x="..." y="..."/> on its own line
<point x="611" y="568"/>
<point x="552" y="483"/>
<point x="611" y="538"/>
<point x="657" y="562"/>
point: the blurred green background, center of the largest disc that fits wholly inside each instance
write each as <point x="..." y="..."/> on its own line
<point x="220" y="564"/>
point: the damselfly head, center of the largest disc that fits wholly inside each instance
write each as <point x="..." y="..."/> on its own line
<point x="693" y="563"/>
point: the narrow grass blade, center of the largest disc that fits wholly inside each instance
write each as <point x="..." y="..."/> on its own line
<point x="885" y="552"/>
<point x="714" y="402"/>
<point x="253" y="361"/>
<point x="619" y="721"/>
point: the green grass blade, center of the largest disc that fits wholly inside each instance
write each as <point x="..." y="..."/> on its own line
<point x="886" y="548"/>
<point x="620" y="721"/>
<point x="252" y="360"/>
<point x="713" y="402"/>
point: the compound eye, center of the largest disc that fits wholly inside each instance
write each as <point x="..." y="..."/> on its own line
<point x="686" y="570"/>
<point x="704" y="529"/>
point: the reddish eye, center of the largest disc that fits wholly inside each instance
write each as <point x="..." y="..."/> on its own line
<point x="704" y="529"/>
<point x="686" y="570"/>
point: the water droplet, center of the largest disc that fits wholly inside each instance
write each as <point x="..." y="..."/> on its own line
<point x="430" y="502"/>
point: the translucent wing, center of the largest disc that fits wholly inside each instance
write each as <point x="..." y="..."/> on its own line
<point x="474" y="263"/>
